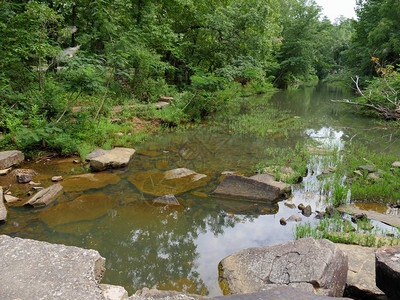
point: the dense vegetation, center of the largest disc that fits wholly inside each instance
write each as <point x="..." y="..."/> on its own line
<point x="57" y="55"/>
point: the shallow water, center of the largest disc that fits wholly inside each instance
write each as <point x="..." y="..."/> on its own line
<point x="169" y="248"/>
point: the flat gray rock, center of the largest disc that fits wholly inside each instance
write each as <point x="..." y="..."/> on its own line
<point x="146" y="294"/>
<point x="361" y="274"/>
<point x="10" y="158"/>
<point x="312" y="265"/>
<point x="46" y="196"/>
<point x="105" y="159"/>
<point x="236" y="186"/>
<point x="270" y="179"/>
<point x="3" y="209"/>
<point x="352" y="209"/>
<point x="387" y="268"/>
<point x="40" y="270"/>
<point x="281" y="293"/>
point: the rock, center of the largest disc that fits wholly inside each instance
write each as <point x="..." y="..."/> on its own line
<point x="5" y="171"/>
<point x="3" y="209"/>
<point x="357" y="217"/>
<point x="46" y="196"/>
<point x="387" y="268"/>
<point x="312" y="265"/>
<point x="104" y="159"/>
<point x="352" y="209"/>
<point x="166" y="98"/>
<point x="361" y="274"/>
<point x="169" y="200"/>
<point x="294" y="218"/>
<point x="10" y="158"/>
<point x="396" y="164"/>
<point x="146" y="294"/>
<point x="32" y="183"/>
<point x="282" y="221"/>
<point x="270" y="179"/>
<point x="279" y="293"/>
<point x="320" y="215"/>
<point x="161" y="104"/>
<point x="367" y="168"/>
<point x="38" y="188"/>
<point x="40" y="270"/>
<point x="88" y="181"/>
<point x="56" y="178"/>
<point x="175" y="181"/>
<point x="75" y="161"/>
<point x="374" y="176"/>
<point x="10" y="199"/>
<point x="24" y="175"/>
<point x="358" y="172"/>
<point x="114" y="292"/>
<point x="301" y="206"/>
<point x="237" y="186"/>
<point x="307" y="211"/>
<point x="331" y="211"/>
<point x="116" y="120"/>
<point x="85" y="207"/>
<point x="290" y="205"/>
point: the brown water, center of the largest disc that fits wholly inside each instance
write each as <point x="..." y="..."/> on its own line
<point x="167" y="248"/>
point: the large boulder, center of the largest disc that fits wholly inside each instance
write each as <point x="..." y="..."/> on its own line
<point x="105" y="159"/>
<point x="3" y="209"/>
<point x="46" y="196"/>
<point x="280" y="293"/>
<point x="361" y="275"/>
<point x="10" y="158"/>
<point x="387" y="268"/>
<point x="261" y="187"/>
<point x="40" y="270"/>
<point x="174" y="181"/>
<point x="317" y="266"/>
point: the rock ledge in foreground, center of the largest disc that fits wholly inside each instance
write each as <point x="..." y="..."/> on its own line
<point x="317" y="266"/>
<point x="387" y="268"/>
<point x="40" y="270"/>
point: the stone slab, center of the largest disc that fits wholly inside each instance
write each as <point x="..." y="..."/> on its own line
<point x="46" y="196"/>
<point x="373" y="215"/>
<point x="39" y="270"/>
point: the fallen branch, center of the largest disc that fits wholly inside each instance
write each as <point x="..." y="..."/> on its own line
<point x="389" y="114"/>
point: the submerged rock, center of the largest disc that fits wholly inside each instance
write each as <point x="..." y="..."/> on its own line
<point x="174" y="182"/>
<point x="169" y="200"/>
<point x="311" y="265"/>
<point x="361" y="274"/>
<point x="46" y="196"/>
<point x="146" y="294"/>
<point x="40" y="270"/>
<point x="85" y="207"/>
<point x="24" y="175"/>
<point x="387" y="268"/>
<point x="89" y="181"/>
<point x="3" y="209"/>
<point x="10" y="158"/>
<point x="104" y="159"/>
<point x="261" y="187"/>
<point x="294" y="218"/>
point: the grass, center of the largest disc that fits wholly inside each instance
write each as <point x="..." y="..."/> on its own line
<point x="340" y="230"/>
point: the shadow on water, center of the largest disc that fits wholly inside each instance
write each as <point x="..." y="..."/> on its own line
<point x="153" y="246"/>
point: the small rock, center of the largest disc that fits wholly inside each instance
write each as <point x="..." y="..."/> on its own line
<point x="3" y="209"/>
<point x="320" y="215"/>
<point x="166" y="98"/>
<point x="10" y="199"/>
<point x="368" y="168"/>
<point x="330" y="212"/>
<point x="76" y="161"/>
<point x="113" y="292"/>
<point x="24" y="175"/>
<point x="5" y="171"/>
<point x="358" y="172"/>
<point x="357" y="217"/>
<point x="373" y="176"/>
<point x="294" y="218"/>
<point x="290" y="205"/>
<point x="34" y="183"/>
<point x="283" y="221"/>
<point x="46" y="196"/>
<point x="56" y="178"/>
<point x="301" y="206"/>
<point x="167" y="200"/>
<point x="38" y="188"/>
<point x="307" y="211"/>
<point x="161" y="104"/>
<point x="396" y="164"/>
<point x="387" y="268"/>
<point x="120" y="134"/>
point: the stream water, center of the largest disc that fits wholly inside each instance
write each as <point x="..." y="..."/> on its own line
<point x="166" y="248"/>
